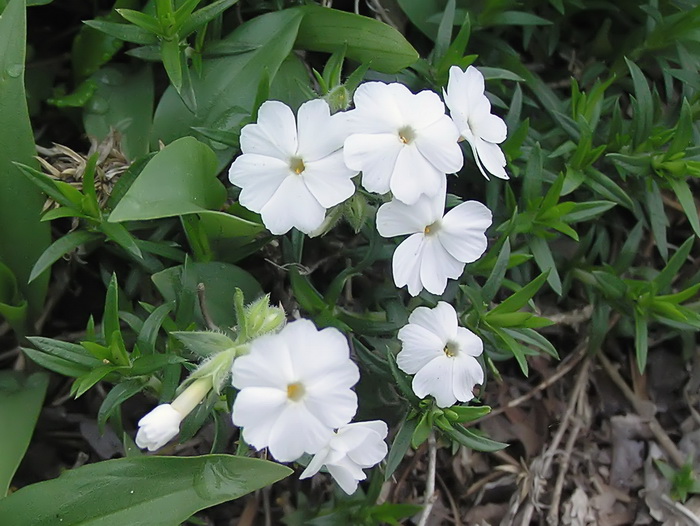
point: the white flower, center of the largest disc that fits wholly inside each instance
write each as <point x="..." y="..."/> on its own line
<point x="353" y="447"/>
<point x="161" y="425"/>
<point x="402" y="142"/>
<point x="158" y="427"/>
<point x="291" y="172"/>
<point x="471" y="112"/>
<point x="441" y="355"/>
<point x="439" y="247"/>
<point x="294" y="389"/>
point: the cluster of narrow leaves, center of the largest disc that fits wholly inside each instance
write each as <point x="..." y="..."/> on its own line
<point x="598" y="213"/>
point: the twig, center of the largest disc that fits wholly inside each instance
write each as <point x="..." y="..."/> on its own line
<point x="201" y="296"/>
<point x="453" y="504"/>
<point x="662" y="438"/>
<point x="430" y="482"/>
<point x="566" y="365"/>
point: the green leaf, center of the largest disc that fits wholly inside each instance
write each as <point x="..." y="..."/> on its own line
<point x="687" y="201"/>
<point x="125" y="32"/>
<point x="518" y="300"/>
<point x="367" y="39"/>
<point x="123" y="101"/>
<point x="59" y="248"/>
<point x="23" y="237"/>
<point x="204" y="15"/>
<point x="470" y="439"/>
<point x="683" y="134"/>
<point x="544" y="259"/>
<point x="229" y="84"/>
<point x="114" y="399"/>
<point x="153" y="491"/>
<point x="204" y="343"/>
<point x="641" y="340"/>
<point x="515" y="18"/>
<point x="399" y="447"/>
<point x="422" y="430"/>
<point x="21" y="398"/>
<point x="664" y="279"/>
<point x="13" y="308"/>
<point x="643" y="104"/>
<point x="220" y="281"/>
<point x="69" y="352"/>
<point x="148" y="335"/>
<point x="657" y="217"/>
<point x="585" y="211"/>
<point x="180" y="179"/>
<point x="495" y="279"/>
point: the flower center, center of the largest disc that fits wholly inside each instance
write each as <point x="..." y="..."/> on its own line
<point x="407" y="134"/>
<point x="297" y="165"/>
<point x="432" y="229"/>
<point x="451" y="349"/>
<point x="295" y="391"/>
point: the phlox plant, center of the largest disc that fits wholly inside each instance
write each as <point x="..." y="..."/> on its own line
<point x="321" y="244"/>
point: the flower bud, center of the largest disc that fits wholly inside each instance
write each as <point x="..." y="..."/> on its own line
<point x="158" y="427"/>
<point x="262" y="318"/>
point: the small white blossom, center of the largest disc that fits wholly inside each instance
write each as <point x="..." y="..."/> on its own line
<point x="161" y="425"/>
<point x="295" y="389"/>
<point x="438" y="247"/>
<point x="353" y="447"/>
<point x="402" y="142"/>
<point x="471" y="112"/>
<point x="441" y="354"/>
<point x="292" y="171"/>
<point x="158" y="427"/>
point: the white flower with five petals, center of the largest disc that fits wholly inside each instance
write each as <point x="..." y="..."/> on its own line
<point x="441" y="354"/>
<point x="295" y="389"/>
<point x="471" y="112"/>
<point x="439" y="246"/>
<point x="351" y="449"/>
<point x="401" y="141"/>
<point x="292" y="171"/>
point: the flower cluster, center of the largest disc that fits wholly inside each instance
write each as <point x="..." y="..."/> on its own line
<point x="295" y="383"/>
<point x="292" y="171"/>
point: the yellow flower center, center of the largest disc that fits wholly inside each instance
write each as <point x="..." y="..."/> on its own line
<point x="431" y="229"/>
<point x="297" y="165"/>
<point x="407" y="134"/>
<point x="451" y="350"/>
<point x="295" y="391"/>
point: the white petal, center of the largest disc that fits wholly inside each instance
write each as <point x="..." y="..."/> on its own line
<point x="292" y="205"/>
<point x="436" y="379"/>
<point x="463" y="231"/>
<point x="253" y="369"/>
<point x="376" y="110"/>
<point x="437" y="265"/>
<point x="158" y="427"/>
<point x="296" y="432"/>
<point x="375" y="155"/>
<point x="275" y="133"/>
<point x="421" y="110"/>
<point x="320" y="134"/>
<point x="344" y="477"/>
<point x="329" y="180"/>
<point x="317" y="462"/>
<point x="474" y="83"/>
<point x="332" y="407"/>
<point x="419" y="346"/>
<point x="468" y="342"/>
<point x="438" y="144"/>
<point x="492" y="158"/>
<point x="406" y="263"/>
<point x="256" y="409"/>
<point x="441" y="320"/>
<point x="397" y="219"/>
<point x="467" y="373"/>
<point x="414" y="175"/>
<point x="491" y="128"/>
<point x="312" y="351"/>
<point x="259" y="176"/>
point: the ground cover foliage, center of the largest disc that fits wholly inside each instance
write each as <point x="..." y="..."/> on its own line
<point x="131" y="274"/>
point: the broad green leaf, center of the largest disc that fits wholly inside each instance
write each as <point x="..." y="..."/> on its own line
<point x="421" y="14"/>
<point x="21" y="398"/>
<point x="13" y="308"/>
<point x="180" y="179"/>
<point x="138" y="491"/>
<point x="519" y="299"/>
<point x="229" y="84"/>
<point x="367" y="39"/>
<point x="123" y="101"/>
<point x="23" y="237"/>
<point x="204" y="15"/>
<point x="220" y="281"/>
